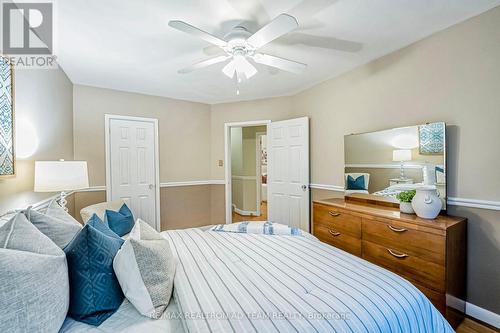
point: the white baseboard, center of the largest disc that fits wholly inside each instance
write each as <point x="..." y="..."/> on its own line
<point x="327" y="187"/>
<point x="244" y="212"/>
<point x="483" y="315"/>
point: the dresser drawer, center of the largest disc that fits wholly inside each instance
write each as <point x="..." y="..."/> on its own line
<point x="337" y="219"/>
<point x="425" y="273"/>
<point x="426" y="246"/>
<point x="438" y="299"/>
<point x="338" y="239"/>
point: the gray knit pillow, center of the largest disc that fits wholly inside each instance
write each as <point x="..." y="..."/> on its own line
<point x="55" y="223"/>
<point x="34" y="285"/>
<point x="145" y="268"/>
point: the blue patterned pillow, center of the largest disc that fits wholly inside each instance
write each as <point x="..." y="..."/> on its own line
<point x="121" y="222"/>
<point x="95" y="293"/>
<point x="96" y="222"/>
<point x="356" y="184"/>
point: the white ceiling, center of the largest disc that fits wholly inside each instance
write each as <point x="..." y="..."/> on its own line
<point x="127" y="45"/>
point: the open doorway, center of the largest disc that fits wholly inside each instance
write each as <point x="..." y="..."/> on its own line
<point x="281" y="186"/>
<point x="248" y="173"/>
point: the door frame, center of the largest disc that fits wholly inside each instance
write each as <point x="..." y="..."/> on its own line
<point x="227" y="158"/>
<point x="107" y="121"/>
<point x="258" y="171"/>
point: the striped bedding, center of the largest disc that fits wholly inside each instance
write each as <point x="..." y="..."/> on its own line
<point x="233" y="282"/>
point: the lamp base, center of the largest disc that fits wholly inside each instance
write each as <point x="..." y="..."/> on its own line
<point x="62" y="200"/>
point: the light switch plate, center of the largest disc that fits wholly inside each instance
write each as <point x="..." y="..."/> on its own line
<point x="221" y="163"/>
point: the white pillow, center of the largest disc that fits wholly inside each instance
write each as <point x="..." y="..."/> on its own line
<point x="145" y="268"/>
<point x="55" y="223"/>
<point x="34" y="285"/>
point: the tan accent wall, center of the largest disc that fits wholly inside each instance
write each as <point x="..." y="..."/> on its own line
<point x="84" y="199"/>
<point x="218" y="204"/>
<point x="185" y="207"/>
<point x="44" y="98"/>
<point x="184" y="134"/>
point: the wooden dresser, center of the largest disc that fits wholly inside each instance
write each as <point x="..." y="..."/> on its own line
<point x="429" y="253"/>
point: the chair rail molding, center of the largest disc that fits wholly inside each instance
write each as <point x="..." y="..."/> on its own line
<point x="452" y="201"/>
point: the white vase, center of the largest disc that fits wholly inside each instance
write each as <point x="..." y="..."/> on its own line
<point x="406" y="207"/>
<point x="426" y="202"/>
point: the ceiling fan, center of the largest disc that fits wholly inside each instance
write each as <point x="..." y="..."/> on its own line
<point x="239" y="46"/>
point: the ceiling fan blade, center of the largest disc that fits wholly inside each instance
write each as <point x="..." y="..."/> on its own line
<point x="203" y="64"/>
<point x="321" y="42"/>
<point x="281" y="63"/>
<point x="192" y="30"/>
<point x="278" y="27"/>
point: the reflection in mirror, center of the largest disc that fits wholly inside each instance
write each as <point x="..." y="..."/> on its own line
<point x="384" y="163"/>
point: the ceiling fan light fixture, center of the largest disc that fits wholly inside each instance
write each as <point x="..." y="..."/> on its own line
<point x="243" y="66"/>
<point x="230" y="69"/>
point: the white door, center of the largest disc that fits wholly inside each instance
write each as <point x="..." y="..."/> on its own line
<point x="288" y="172"/>
<point x="131" y="164"/>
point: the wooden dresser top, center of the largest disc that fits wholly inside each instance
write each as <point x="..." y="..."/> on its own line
<point x="442" y="222"/>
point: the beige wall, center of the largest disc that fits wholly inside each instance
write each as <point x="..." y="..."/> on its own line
<point x="265" y="109"/>
<point x="184" y="133"/>
<point x="452" y="76"/>
<point x="44" y="98"/>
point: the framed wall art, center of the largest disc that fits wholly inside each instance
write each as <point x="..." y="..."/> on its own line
<point x="7" y="156"/>
<point x="432" y="138"/>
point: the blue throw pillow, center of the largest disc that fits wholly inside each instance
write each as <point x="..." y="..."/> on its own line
<point x="95" y="293"/>
<point x="356" y="184"/>
<point x="96" y="222"/>
<point x="121" y="222"/>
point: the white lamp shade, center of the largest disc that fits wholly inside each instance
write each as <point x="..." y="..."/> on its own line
<point x="58" y="176"/>
<point x="401" y="155"/>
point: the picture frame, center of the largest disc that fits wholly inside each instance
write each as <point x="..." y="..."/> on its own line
<point x="7" y="119"/>
<point x="432" y="138"/>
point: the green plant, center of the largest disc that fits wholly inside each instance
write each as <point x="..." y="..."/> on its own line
<point x="406" y="196"/>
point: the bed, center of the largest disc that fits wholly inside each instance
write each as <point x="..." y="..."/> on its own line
<point x="233" y="282"/>
<point x="128" y="320"/>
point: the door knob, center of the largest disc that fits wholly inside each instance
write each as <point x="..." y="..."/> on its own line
<point x="304" y="187"/>
<point x="151" y="186"/>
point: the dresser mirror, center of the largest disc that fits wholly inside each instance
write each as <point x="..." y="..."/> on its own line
<point x="379" y="165"/>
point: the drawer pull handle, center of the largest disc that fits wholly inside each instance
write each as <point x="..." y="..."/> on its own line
<point x="334" y="233"/>
<point x="396" y="229"/>
<point x="334" y="214"/>
<point x="397" y="255"/>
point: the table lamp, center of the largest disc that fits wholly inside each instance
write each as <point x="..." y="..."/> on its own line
<point x="61" y="176"/>
<point x="401" y="155"/>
